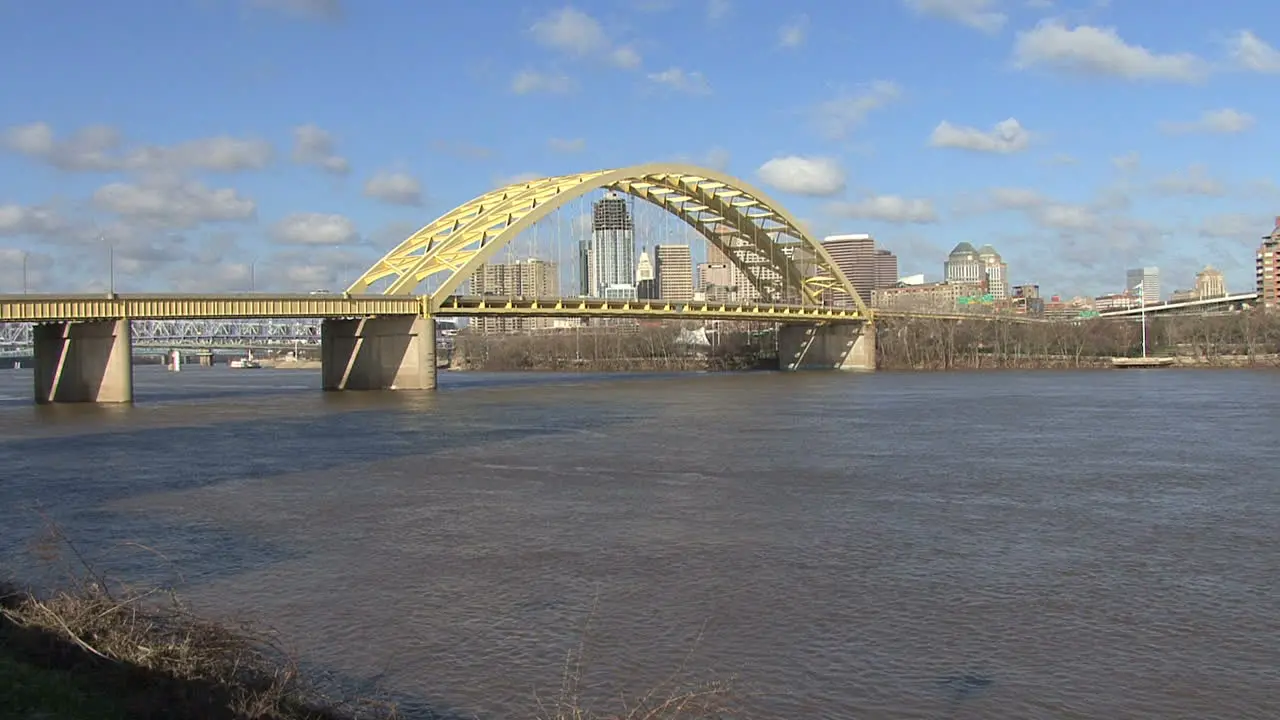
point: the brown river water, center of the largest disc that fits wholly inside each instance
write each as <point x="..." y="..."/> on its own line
<point x="1097" y="544"/>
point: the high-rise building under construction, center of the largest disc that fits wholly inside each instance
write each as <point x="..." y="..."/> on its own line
<point x="609" y="257"/>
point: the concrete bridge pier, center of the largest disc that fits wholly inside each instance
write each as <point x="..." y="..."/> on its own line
<point x="827" y="346"/>
<point x="83" y="362"/>
<point x="396" y="352"/>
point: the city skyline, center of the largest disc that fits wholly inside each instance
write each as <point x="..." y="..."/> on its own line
<point x="197" y="174"/>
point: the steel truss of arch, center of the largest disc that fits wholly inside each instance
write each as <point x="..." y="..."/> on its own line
<point x="781" y="260"/>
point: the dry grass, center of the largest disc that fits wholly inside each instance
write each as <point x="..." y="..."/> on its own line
<point x="160" y="660"/>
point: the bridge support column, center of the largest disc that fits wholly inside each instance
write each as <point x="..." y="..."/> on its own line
<point x="378" y="353"/>
<point x="829" y="346"/>
<point x="83" y="362"/>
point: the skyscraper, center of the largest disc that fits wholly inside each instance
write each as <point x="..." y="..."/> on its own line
<point x="1210" y="283"/>
<point x="886" y="269"/>
<point x="674" y="272"/>
<point x="1146" y="278"/>
<point x="611" y="254"/>
<point x="964" y="266"/>
<point x="646" y="288"/>
<point x="855" y="255"/>
<point x="996" y="270"/>
<point x="530" y="278"/>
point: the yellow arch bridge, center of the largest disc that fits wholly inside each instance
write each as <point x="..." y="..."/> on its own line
<point x="380" y="334"/>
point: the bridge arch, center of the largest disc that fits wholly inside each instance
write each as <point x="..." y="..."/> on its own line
<point x="756" y="233"/>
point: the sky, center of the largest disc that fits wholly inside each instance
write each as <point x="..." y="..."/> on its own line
<point x="298" y="140"/>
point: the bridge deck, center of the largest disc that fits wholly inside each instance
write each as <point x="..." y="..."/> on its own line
<point x="48" y="308"/>
<point x="245" y="306"/>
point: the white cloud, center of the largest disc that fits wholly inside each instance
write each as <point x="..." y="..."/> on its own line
<point x="1007" y="136"/>
<point x="571" y="31"/>
<point x="315" y="146"/>
<point x="173" y="204"/>
<point x="35" y="139"/>
<point x="395" y="187"/>
<point x="1127" y="162"/>
<point x="887" y="208"/>
<point x="1253" y="53"/>
<point x="817" y="176"/>
<point x="315" y="229"/>
<point x="1015" y="198"/>
<point x="1241" y="226"/>
<point x="839" y="116"/>
<point x="977" y="14"/>
<point x="1100" y="51"/>
<point x="718" y="158"/>
<point x="1195" y="180"/>
<point x="91" y="148"/>
<point x="1066" y="216"/>
<point x="530" y="81"/>
<point x="309" y="9"/>
<point x="97" y="148"/>
<point x="793" y="33"/>
<point x="567" y="146"/>
<point x="1043" y="211"/>
<point x="24" y="220"/>
<point x="1224" y="121"/>
<point x="692" y="83"/>
<point x="718" y="9"/>
<point x="221" y="153"/>
<point x="626" y="57"/>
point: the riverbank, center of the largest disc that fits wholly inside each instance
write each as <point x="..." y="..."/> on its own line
<point x="93" y="653"/>
<point x="98" y="654"/>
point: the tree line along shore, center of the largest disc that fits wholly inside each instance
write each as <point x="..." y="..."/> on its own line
<point x="1250" y="339"/>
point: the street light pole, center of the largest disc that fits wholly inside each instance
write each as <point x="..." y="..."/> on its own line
<point x="24" y="272"/>
<point x="111" y="261"/>
<point x="252" y="283"/>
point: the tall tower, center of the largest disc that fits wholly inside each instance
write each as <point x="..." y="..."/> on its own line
<point x="886" y="269"/>
<point x="997" y="272"/>
<point x="1148" y="279"/>
<point x="855" y="255"/>
<point x="964" y="266"/>
<point x="611" y="257"/>
<point x="646" y="288"/>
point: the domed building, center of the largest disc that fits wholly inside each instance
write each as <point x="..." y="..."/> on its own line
<point x="963" y="265"/>
<point x="978" y="266"/>
<point x="997" y="272"/>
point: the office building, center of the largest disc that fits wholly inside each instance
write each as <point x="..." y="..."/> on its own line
<point x="646" y="287"/>
<point x="674" y="272"/>
<point x="611" y="252"/>
<point x="996" y="272"/>
<point x="1210" y="283"/>
<point x="886" y="269"/>
<point x="1268" y="277"/>
<point x="964" y="266"/>
<point x="1144" y="283"/>
<point x="530" y="278"/>
<point x="927" y="297"/>
<point x="855" y="255"/>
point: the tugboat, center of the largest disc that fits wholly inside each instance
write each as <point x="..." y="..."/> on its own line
<point x="245" y="363"/>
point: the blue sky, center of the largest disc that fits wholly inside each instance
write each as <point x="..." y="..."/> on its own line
<point x="1079" y="137"/>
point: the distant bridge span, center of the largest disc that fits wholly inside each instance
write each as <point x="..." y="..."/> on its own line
<point x="1226" y="302"/>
